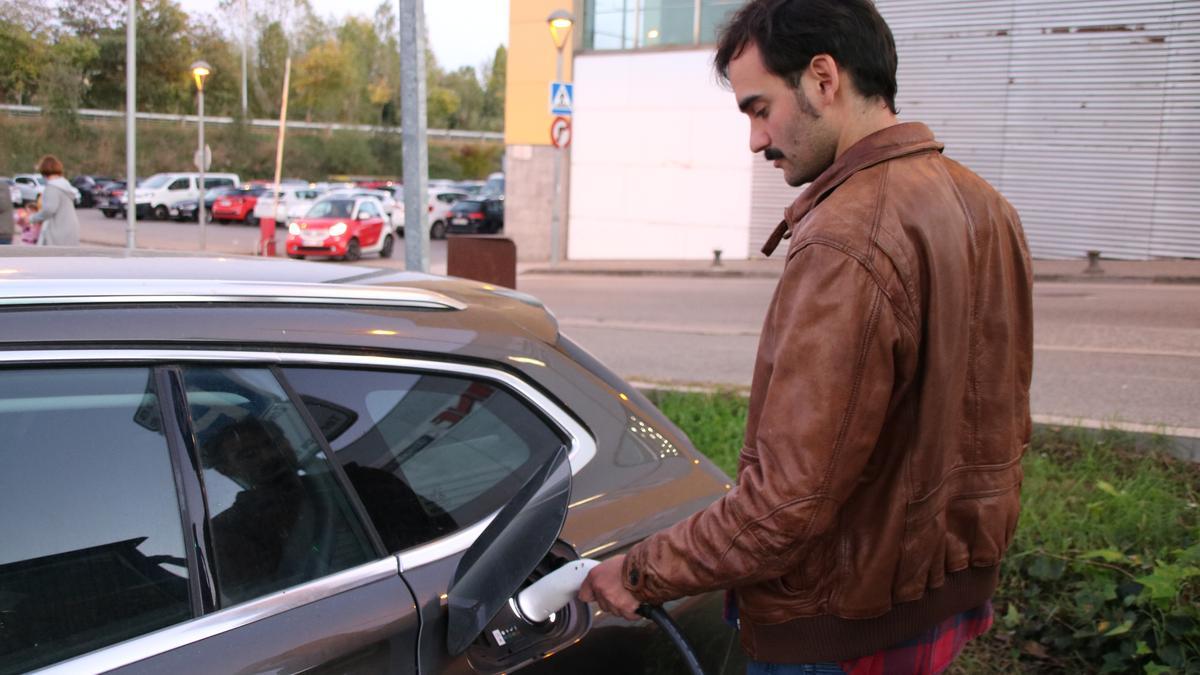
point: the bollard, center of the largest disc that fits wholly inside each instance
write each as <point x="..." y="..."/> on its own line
<point x="266" y="236"/>
<point x="716" y="257"/>
<point x="490" y="259"/>
<point x="1093" y="263"/>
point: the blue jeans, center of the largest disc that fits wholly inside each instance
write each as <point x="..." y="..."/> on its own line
<point x="764" y="668"/>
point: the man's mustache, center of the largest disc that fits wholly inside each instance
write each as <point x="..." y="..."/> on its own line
<point x="772" y="154"/>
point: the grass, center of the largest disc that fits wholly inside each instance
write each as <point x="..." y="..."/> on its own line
<point x="1104" y="572"/>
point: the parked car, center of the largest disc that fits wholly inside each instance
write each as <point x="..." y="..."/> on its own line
<point x="238" y="205"/>
<point x="494" y="185"/>
<point x="241" y="465"/>
<point x="440" y="202"/>
<point x="186" y="210"/>
<point x="294" y="202"/>
<point x="391" y="208"/>
<point x="30" y="185"/>
<point x="471" y="187"/>
<point x="157" y="194"/>
<point x="112" y="203"/>
<point x="14" y="192"/>
<point x="88" y="187"/>
<point x="476" y="216"/>
<point x="342" y="227"/>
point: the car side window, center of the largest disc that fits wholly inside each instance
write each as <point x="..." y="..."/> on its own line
<point x="369" y="209"/>
<point x="278" y="516"/>
<point x="427" y="453"/>
<point x="179" y="184"/>
<point x="91" y="541"/>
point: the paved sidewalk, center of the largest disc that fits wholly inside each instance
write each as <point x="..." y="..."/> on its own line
<point x="1138" y="271"/>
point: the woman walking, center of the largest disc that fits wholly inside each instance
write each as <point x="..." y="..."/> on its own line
<point x="60" y="226"/>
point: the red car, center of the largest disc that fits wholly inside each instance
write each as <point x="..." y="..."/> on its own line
<point x="237" y="206"/>
<point x="341" y="227"/>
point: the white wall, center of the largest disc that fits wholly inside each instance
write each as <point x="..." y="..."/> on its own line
<point x="660" y="161"/>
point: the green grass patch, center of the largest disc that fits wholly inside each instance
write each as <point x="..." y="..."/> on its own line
<point x="1104" y="572"/>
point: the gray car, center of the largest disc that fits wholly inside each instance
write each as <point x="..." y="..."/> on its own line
<point x="238" y="465"/>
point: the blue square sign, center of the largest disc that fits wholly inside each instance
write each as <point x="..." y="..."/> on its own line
<point x="562" y="98"/>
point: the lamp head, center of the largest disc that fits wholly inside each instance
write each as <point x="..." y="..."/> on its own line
<point x="200" y="70"/>
<point x="561" y="21"/>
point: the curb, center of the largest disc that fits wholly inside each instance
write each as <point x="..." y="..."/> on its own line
<point x="773" y="274"/>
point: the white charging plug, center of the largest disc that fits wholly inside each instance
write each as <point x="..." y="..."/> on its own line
<point x="554" y="591"/>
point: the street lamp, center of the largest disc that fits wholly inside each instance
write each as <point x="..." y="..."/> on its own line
<point x="560" y="21"/>
<point x="200" y="71"/>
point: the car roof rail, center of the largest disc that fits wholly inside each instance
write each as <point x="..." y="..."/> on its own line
<point x="34" y="292"/>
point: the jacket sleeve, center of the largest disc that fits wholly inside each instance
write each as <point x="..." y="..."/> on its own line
<point x="51" y="200"/>
<point x="834" y="338"/>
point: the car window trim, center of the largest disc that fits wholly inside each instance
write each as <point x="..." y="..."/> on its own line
<point x="189" y="488"/>
<point x="360" y="511"/>
<point x="190" y="632"/>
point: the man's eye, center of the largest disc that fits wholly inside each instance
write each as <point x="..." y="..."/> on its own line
<point x="761" y="113"/>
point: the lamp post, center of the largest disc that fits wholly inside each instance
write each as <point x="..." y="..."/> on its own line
<point x="200" y="71"/>
<point x="560" y="22"/>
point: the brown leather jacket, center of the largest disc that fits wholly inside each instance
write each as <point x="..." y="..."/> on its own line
<point x="880" y="480"/>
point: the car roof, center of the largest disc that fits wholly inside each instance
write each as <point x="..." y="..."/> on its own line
<point x="190" y="298"/>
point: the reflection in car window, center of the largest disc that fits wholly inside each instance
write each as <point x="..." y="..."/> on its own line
<point x="427" y="453"/>
<point x="331" y="208"/>
<point x="278" y="516"/>
<point x="91" y="545"/>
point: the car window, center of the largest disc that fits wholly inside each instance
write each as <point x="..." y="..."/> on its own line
<point x="369" y="209"/>
<point x="466" y="206"/>
<point x="278" y="516"/>
<point x="217" y="182"/>
<point x="91" y="542"/>
<point x="179" y="184"/>
<point x="331" y="208"/>
<point x="427" y="453"/>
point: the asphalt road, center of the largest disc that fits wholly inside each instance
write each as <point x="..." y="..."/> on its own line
<point x="1114" y="353"/>
<point x="1106" y="352"/>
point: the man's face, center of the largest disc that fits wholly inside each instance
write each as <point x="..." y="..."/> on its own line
<point x="784" y="125"/>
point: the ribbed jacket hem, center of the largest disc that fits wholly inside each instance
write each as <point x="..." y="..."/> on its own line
<point x="832" y="638"/>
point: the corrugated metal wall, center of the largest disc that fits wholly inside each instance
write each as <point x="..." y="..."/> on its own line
<point x="1084" y="113"/>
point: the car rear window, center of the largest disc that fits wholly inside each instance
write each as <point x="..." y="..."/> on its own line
<point x="467" y="206"/>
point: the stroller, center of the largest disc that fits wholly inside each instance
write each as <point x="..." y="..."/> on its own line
<point x="25" y="232"/>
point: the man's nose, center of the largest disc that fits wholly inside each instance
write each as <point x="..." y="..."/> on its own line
<point x="759" y="140"/>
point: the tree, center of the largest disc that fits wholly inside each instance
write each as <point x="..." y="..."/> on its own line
<point x="324" y="80"/>
<point x="495" y="74"/>
<point x="21" y="62"/>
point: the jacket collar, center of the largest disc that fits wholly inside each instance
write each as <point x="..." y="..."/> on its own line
<point x="894" y="141"/>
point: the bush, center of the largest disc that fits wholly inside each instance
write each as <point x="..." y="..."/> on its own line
<point x="1104" y="572"/>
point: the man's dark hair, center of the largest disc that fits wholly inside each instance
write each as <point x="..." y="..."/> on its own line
<point x="789" y="33"/>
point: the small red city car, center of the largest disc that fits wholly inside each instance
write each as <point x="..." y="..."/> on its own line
<point x="341" y="227"/>
<point x="237" y="206"/>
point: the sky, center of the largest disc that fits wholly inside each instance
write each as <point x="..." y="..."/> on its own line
<point x="455" y="42"/>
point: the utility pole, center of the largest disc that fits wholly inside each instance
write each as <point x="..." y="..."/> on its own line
<point x="415" y="148"/>
<point x="131" y="128"/>
<point x="245" y="27"/>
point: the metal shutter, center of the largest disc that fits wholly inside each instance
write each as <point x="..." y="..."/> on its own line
<point x="769" y="196"/>
<point x="1084" y="113"/>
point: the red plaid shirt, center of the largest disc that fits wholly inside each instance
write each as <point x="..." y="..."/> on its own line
<point x="929" y="653"/>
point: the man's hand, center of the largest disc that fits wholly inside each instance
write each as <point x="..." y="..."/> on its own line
<point x="604" y="586"/>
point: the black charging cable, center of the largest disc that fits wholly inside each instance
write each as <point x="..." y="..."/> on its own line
<point x="659" y="616"/>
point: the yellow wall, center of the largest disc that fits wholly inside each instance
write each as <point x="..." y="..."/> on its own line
<point x="531" y="57"/>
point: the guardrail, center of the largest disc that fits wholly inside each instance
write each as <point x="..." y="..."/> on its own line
<point x="90" y="113"/>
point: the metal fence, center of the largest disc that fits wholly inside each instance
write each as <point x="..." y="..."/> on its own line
<point x="88" y="113"/>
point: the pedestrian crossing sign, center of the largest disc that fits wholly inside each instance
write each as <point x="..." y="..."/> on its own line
<point x="562" y="98"/>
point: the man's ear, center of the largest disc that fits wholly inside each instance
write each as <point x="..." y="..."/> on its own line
<point x="826" y="79"/>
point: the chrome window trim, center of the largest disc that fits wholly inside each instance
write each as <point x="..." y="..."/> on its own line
<point x="33" y="292"/>
<point x="582" y="450"/>
<point x="182" y="634"/>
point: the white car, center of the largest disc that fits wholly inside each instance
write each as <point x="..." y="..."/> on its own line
<point x="294" y="202"/>
<point x="30" y="185"/>
<point x="158" y="193"/>
<point x="13" y="190"/>
<point x="440" y="201"/>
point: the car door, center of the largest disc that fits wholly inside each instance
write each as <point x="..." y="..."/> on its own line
<point x="184" y="518"/>
<point x="453" y="443"/>
<point x="369" y="223"/>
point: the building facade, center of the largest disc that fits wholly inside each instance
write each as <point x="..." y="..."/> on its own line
<point x="1084" y="113"/>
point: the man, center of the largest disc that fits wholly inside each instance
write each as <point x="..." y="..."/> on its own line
<point x="879" y="484"/>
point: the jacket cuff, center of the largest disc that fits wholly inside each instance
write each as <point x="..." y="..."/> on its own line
<point x="637" y="576"/>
